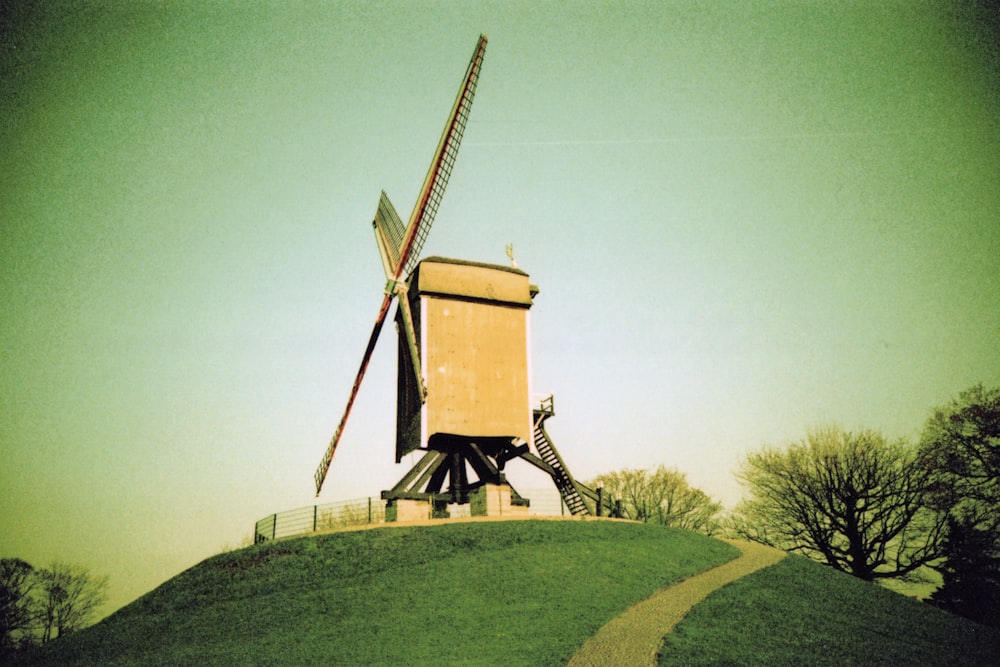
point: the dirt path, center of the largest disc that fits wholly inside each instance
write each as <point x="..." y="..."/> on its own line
<point x="633" y="638"/>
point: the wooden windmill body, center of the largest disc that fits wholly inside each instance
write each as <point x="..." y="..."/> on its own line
<point x="473" y="410"/>
<point x="473" y="332"/>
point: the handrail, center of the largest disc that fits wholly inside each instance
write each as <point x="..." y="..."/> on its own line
<point x="370" y="511"/>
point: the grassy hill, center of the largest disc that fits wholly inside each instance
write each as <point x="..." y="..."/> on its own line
<point x="515" y="593"/>
<point x="799" y="612"/>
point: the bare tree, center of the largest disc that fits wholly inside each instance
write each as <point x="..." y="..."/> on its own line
<point x="852" y="500"/>
<point x="662" y="496"/>
<point x="68" y="597"/>
<point x="960" y="445"/>
<point x="16" y="604"/>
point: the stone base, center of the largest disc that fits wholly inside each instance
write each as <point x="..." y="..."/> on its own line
<point x="495" y="500"/>
<point x="407" y="510"/>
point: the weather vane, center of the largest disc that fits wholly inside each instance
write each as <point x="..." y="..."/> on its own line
<point x="510" y="255"/>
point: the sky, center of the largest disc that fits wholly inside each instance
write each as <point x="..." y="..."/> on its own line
<point x="746" y="220"/>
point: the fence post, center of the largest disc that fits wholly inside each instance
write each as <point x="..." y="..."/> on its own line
<point x="315" y="512"/>
<point x="369" y="510"/>
<point x="274" y="526"/>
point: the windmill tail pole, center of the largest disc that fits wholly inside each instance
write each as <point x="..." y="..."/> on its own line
<point x="324" y="465"/>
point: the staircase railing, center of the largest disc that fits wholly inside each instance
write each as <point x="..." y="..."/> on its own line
<point x="575" y="494"/>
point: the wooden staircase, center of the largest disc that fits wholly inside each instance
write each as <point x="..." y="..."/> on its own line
<point x="554" y="465"/>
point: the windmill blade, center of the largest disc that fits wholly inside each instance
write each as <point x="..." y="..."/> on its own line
<point x="389" y="235"/>
<point x="401" y="254"/>
<point x="440" y="170"/>
<point x="324" y="465"/>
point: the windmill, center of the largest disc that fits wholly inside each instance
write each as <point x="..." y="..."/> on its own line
<point x="467" y="323"/>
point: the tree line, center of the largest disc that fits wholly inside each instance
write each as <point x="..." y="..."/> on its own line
<point x="861" y="503"/>
<point x="38" y="605"/>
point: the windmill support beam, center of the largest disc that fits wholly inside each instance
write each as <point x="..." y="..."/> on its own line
<point x="512" y="453"/>
<point x="458" y="471"/>
<point x="418" y="475"/>
<point x="538" y="463"/>
<point x="482" y="465"/>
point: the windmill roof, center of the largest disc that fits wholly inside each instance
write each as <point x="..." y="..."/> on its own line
<point x="466" y="262"/>
<point x="478" y="281"/>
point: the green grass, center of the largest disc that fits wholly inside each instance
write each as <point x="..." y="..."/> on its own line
<point x="799" y="612"/>
<point x="515" y="593"/>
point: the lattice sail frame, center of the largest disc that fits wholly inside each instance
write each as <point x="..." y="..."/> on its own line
<point x="400" y="257"/>
<point x="389" y="234"/>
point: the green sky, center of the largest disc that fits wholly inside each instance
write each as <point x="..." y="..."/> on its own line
<point x="746" y="220"/>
